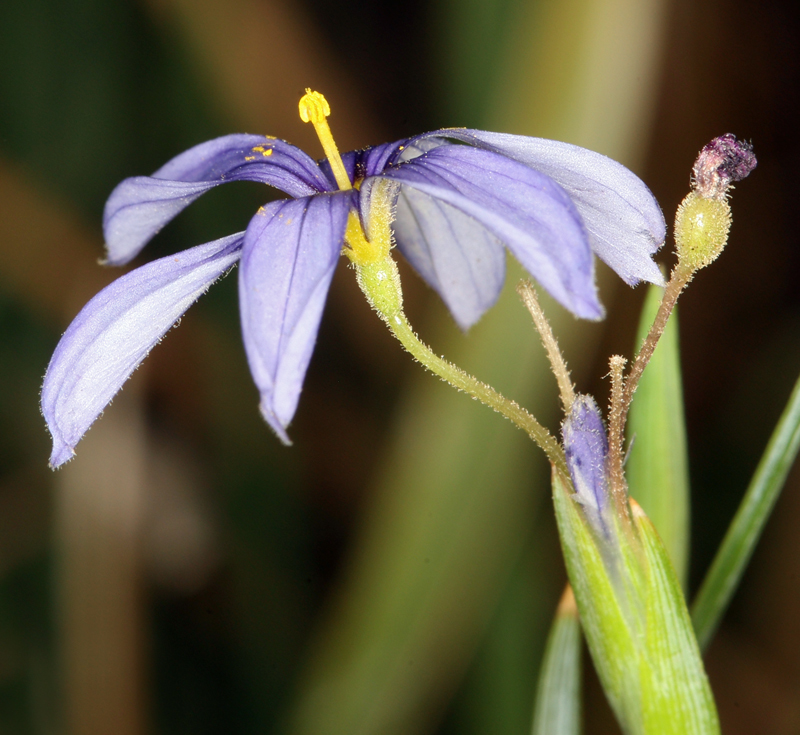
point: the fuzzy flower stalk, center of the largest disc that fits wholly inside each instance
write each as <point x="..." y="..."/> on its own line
<point x="702" y="224"/>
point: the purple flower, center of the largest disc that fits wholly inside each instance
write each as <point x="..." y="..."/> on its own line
<point x="586" y="450"/>
<point x="461" y="196"/>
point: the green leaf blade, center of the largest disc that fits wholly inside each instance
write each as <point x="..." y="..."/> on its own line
<point x="558" y="694"/>
<point x="636" y="623"/>
<point x="676" y="695"/>
<point x="748" y="523"/>
<point x="612" y="641"/>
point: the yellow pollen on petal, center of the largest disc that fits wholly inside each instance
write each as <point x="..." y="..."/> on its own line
<point x="314" y="108"/>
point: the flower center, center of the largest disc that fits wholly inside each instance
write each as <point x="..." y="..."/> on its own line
<point x="314" y="108"/>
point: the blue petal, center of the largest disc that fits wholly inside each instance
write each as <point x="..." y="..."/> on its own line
<point x="625" y="223"/>
<point x="114" y="332"/>
<point x="139" y="207"/>
<point x="586" y="449"/>
<point x="458" y="257"/>
<point x="290" y="252"/>
<point x="526" y="210"/>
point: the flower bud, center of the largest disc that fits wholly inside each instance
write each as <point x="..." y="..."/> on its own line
<point x="586" y="450"/>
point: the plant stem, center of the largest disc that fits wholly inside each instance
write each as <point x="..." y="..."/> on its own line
<point x="557" y="362"/>
<point x="448" y="372"/>
<point x="677" y="282"/>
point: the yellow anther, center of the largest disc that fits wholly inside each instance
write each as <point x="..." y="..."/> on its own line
<point x="314" y="108"/>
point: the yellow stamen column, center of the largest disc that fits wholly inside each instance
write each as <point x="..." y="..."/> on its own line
<point x="314" y="108"/>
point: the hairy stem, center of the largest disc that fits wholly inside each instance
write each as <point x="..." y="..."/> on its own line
<point x="557" y="362"/>
<point x="621" y="400"/>
<point x="616" y="475"/>
<point x="484" y="393"/>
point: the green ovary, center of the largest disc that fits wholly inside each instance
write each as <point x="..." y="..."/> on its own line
<point x="701" y="230"/>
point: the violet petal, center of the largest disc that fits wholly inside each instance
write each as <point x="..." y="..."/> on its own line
<point x="623" y="218"/>
<point x="524" y="209"/>
<point x="290" y="252"/>
<point x="586" y="449"/>
<point x="114" y="332"/>
<point x="140" y="206"/>
<point x="458" y="257"/>
<point x="363" y="163"/>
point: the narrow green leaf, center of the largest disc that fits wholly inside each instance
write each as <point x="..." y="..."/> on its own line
<point x="745" y="530"/>
<point x="657" y="468"/>
<point x="558" y="694"/>
<point x="676" y="695"/>
<point x="613" y="642"/>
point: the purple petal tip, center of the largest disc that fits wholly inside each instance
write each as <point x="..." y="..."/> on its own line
<point x="275" y="424"/>
<point x="62" y="454"/>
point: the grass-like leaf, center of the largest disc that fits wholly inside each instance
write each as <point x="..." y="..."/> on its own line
<point x="558" y="694"/>
<point x="746" y="528"/>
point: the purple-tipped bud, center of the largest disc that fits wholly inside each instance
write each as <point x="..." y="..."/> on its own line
<point x="586" y="449"/>
<point x="720" y="163"/>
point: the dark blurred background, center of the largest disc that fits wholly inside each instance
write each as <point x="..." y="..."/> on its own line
<point x="396" y="570"/>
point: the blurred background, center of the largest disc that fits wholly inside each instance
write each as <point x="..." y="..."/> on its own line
<point x="396" y="570"/>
